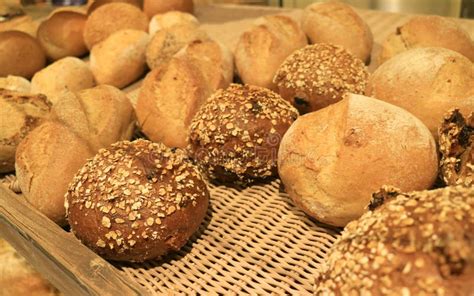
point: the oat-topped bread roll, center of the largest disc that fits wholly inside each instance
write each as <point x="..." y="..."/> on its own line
<point x="110" y="18"/>
<point x="20" y="113"/>
<point x="236" y="134"/>
<point x="169" y="19"/>
<point x="428" y="31"/>
<point x="318" y="75"/>
<point x="456" y="144"/>
<point x="417" y="243"/>
<point x="331" y="160"/>
<point x="339" y="24"/>
<point x="136" y="201"/>
<point x="426" y="82"/>
<point x="152" y="7"/>
<point x="261" y="50"/>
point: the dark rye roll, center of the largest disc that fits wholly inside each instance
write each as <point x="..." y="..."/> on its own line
<point x="136" y="201"/>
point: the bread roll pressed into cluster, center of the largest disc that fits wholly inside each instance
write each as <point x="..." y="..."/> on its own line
<point x="262" y="49"/>
<point x="15" y="83"/>
<point x="153" y="7"/>
<point x="319" y="75"/>
<point x="169" y="19"/>
<point x="337" y="23"/>
<point x="417" y="243"/>
<point x="98" y="3"/>
<point x="331" y="160"/>
<point x="236" y="134"/>
<point x="136" y="201"/>
<point x="426" y="82"/>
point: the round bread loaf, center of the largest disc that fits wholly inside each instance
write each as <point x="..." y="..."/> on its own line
<point x="337" y="23"/>
<point x="61" y="35"/>
<point x="319" y="75"/>
<point x="427" y="82"/>
<point x="120" y="59"/>
<point x="98" y="3"/>
<point x="417" y="243"/>
<point x="236" y="134"/>
<point x="110" y="18"/>
<point x="20" y="54"/>
<point x="169" y="19"/>
<point x="169" y="97"/>
<point x="152" y="7"/>
<point x="67" y="73"/>
<point x="136" y="201"/>
<point x="331" y="160"/>
<point x="428" y="31"/>
<point x="15" y="83"/>
<point x="261" y="50"/>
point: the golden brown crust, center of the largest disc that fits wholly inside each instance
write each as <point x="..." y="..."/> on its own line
<point x="98" y="3"/>
<point x="136" y="201"/>
<point x="153" y="7"/>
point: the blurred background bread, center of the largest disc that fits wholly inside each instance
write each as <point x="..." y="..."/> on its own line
<point x="169" y="19"/>
<point x="152" y="7"/>
<point x="94" y="4"/>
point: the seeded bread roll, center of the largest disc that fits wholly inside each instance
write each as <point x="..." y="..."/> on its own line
<point x="428" y="31"/>
<point x="98" y="3"/>
<point x="153" y="7"/>
<point x="110" y="18"/>
<point x="15" y="83"/>
<point x="337" y="23"/>
<point x="261" y="50"/>
<point x="20" y="54"/>
<point x="169" y="19"/>
<point x="319" y="75"/>
<point x="417" y="243"/>
<point x="136" y="201"/>
<point x="236" y="134"/>
<point x="331" y="160"/>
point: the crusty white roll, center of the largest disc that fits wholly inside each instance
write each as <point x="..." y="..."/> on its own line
<point x="120" y="59"/>
<point x="169" y="19"/>
<point x="262" y="49"/>
<point x="152" y="7"/>
<point x="331" y="160"/>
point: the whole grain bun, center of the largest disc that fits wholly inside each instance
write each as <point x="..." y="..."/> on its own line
<point x="318" y="75"/>
<point x="261" y="50"/>
<point x="428" y="31"/>
<point x="20" y="54"/>
<point x="120" y="59"/>
<point x="331" y="160"/>
<point x="98" y="3"/>
<point x="417" y="243"/>
<point x="61" y="35"/>
<point x="15" y="83"/>
<point x="20" y="113"/>
<point x="136" y="201"/>
<point x="236" y="134"/>
<point x="167" y="42"/>
<point x="169" y="19"/>
<point x="152" y="7"/>
<point x="337" y="23"/>
<point x="110" y="18"/>
<point x="65" y="74"/>
<point x="169" y="97"/>
<point x="427" y="82"/>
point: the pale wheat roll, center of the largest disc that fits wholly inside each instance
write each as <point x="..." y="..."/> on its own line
<point x="169" y="19"/>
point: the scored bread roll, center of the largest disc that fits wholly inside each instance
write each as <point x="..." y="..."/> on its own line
<point x="169" y="19"/>
<point x="20" y="54"/>
<point x="427" y="82"/>
<point x="61" y="35"/>
<point x="261" y="50"/>
<point x="15" y="83"/>
<point x="98" y="3"/>
<point x="169" y="97"/>
<point x="331" y="160"/>
<point x="120" y="59"/>
<point x="337" y="23"/>
<point x="428" y="31"/>
<point x="65" y="74"/>
<point x="110" y="18"/>
<point x="152" y="7"/>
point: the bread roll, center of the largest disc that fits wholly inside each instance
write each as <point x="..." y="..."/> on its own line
<point x="428" y="31"/>
<point x="15" y="83"/>
<point x="417" y="243"/>
<point x="169" y="41"/>
<point x="169" y="19"/>
<point x="20" y="54"/>
<point x="110" y="18"/>
<point x="120" y="59"/>
<point x="236" y="134"/>
<point x="65" y="74"/>
<point x="261" y="50"/>
<point x="331" y="160"/>
<point x="319" y="75"/>
<point x="337" y="23"/>
<point x="169" y="97"/>
<point x="98" y="3"/>
<point x="152" y="7"/>
<point x="61" y="35"/>
<point x="136" y="201"/>
<point x="20" y="113"/>
<point x="427" y="82"/>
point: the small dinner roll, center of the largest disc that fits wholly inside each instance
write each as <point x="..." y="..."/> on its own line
<point x="169" y="19"/>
